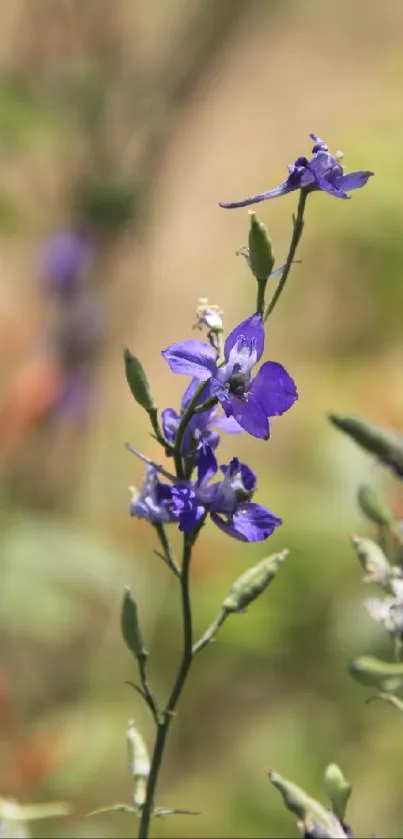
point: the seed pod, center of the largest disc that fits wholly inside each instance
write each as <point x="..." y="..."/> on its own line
<point x="253" y="582"/>
<point x="373" y="560"/>
<point x="386" y="676"/>
<point x="138" y="382"/>
<point x="139" y="762"/>
<point x="373" y="507"/>
<point x="260" y="249"/>
<point x="385" y="444"/>
<point x="298" y="802"/>
<point x="130" y="626"/>
<point x="338" y="789"/>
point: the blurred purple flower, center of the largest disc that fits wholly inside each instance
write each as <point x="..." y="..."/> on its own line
<point x="322" y="171"/>
<point x="250" y="401"/>
<point x="65" y="260"/>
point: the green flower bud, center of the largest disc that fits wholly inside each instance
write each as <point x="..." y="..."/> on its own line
<point x="374" y="562"/>
<point x="260" y="249"/>
<point x="130" y="626"/>
<point x="338" y="790"/>
<point x="139" y="762"/>
<point x="253" y="583"/>
<point x="373" y="507"/>
<point x="383" y="675"/>
<point x="303" y="806"/>
<point x="382" y="442"/>
<point x="138" y="382"/>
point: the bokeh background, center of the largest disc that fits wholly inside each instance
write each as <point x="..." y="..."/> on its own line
<point x="122" y="124"/>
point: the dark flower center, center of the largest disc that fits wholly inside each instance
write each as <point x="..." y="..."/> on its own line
<point x="236" y="383"/>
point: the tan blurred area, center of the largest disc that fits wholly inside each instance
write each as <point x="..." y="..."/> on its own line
<point x="169" y="108"/>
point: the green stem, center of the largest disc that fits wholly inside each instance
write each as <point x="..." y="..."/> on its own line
<point x="166" y="555"/>
<point x="165" y="718"/>
<point x="209" y="634"/>
<point x="147" y="693"/>
<point x="157" y="431"/>
<point x="209" y="403"/>
<point x="298" y="226"/>
<point x="261" y="291"/>
<point x="182" y="428"/>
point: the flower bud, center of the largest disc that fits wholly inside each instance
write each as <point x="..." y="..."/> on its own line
<point x="338" y="790"/>
<point x="382" y="442"/>
<point x="374" y="562"/>
<point x="384" y="675"/>
<point x="139" y="762"/>
<point x="298" y="802"/>
<point x="260" y="249"/>
<point x="138" y="382"/>
<point x="373" y="507"/>
<point x="130" y="626"/>
<point x="253" y="583"/>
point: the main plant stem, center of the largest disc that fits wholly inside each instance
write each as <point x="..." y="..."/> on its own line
<point x="298" y="222"/>
<point x="166" y="716"/>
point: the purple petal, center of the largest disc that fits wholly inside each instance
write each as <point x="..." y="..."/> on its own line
<point x="191" y="358"/>
<point x="274" y="389"/>
<point x="228" y="424"/>
<point x="186" y="507"/>
<point x="206" y="464"/>
<point x="252" y="329"/>
<point x="282" y="189"/>
<point x="189" y="393"/>
<point x="251" y="416"/>
<point x="170" y="422"/>
<point x="248" y="477"/>
<point x="222" y="394"/>
<point x="354" y="180"/>
<point x="250" y="523"/>
<point x="327" y="186"/>
<point x="320" y="145"/>
<point x="254" y="522"/>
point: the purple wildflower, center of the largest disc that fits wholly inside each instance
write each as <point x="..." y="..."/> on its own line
<point x="154" y="501"/>
<point x="250" y="401"/>
<point x="227" y="501"/>
<point x="65" y="260"/>
<point x="322" y="171"/>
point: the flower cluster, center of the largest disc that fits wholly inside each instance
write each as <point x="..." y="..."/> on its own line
<point x="248" y="404"/>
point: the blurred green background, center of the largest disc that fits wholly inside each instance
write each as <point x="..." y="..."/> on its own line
<point x="141" y="117"/>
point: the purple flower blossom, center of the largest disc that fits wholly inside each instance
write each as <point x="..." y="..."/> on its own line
<point x="66" y="258"/>
<point x="322" y="171"/>
<point x="250" y="401"/>
<point x="227" y="501"/>
<point x="154" y="501"/>
<point x="200" y="438"/>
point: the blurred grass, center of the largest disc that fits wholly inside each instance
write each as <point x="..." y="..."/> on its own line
<point x="274" y="689"/>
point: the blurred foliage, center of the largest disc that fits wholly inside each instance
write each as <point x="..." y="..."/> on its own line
<point x="154" y="118"/>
